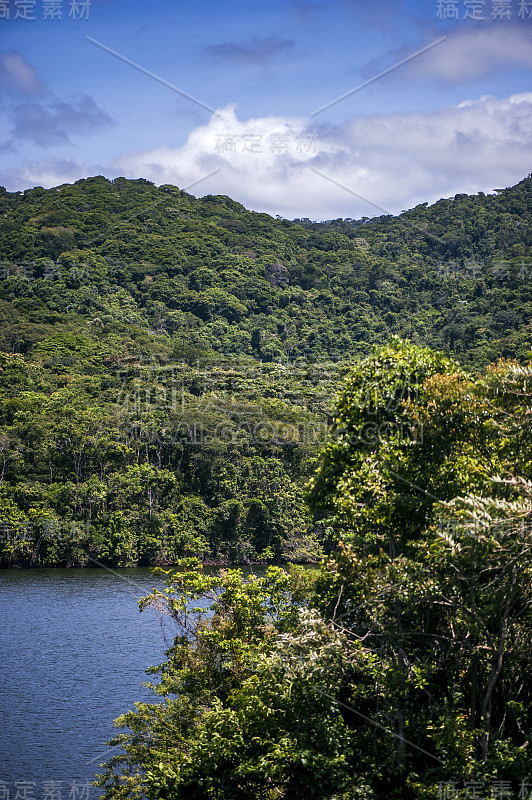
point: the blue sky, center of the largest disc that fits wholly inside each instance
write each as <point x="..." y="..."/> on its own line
<point x="451" y="113"/>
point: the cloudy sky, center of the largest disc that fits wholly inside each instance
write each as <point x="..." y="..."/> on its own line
<point x="342" y="108"/>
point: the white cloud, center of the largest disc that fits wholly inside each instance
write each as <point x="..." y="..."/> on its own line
<point x="256" y="51"/>
<point x="261" y="161"/>
<point x="35" y="114"/>
<point x="50" y="123"/>
<point x="17" y="75"/>
<point x="45" y="172"/>
<point x="395" y="160"/>
<point x="476" y="53"/>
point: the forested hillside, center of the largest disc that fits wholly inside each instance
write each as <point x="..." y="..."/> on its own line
<point x="167" y="362"/>
<point x="212" y="276"/>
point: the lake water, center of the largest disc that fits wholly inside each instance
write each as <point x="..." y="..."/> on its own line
<point x="73" y="653"/>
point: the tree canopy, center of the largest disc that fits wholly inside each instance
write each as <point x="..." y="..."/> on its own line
<point x="146" y="332"/>
<point x="398" y="668"/>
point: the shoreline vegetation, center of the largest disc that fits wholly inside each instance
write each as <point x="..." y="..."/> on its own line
<point x="394" y="671"/>
<point x="217" y="564"/>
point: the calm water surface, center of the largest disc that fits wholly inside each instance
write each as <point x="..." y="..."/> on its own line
<point x="73" y="653"/>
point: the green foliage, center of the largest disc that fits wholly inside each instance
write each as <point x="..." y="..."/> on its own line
<point x="227" y="624"/>
<point x="382" y="449"/>
<point x="378" y="675"/>
<point x="145" y="328"/>
<point x="454" y="276"/>
<point x="381" y="674"/>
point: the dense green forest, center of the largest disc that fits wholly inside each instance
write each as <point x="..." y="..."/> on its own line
<point x="167" y="363"/>
<point x="188" y="384"/>
<point x="400" y="668"/>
